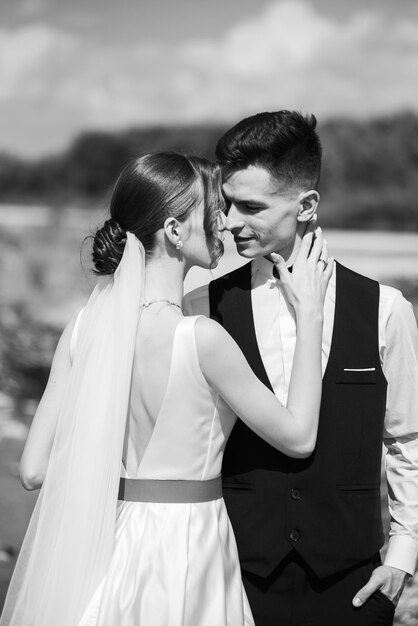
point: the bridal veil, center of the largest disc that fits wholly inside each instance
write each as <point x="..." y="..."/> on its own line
<point x="70" y="537"/>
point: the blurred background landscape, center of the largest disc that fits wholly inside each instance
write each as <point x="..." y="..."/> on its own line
<point x="87" y="86"/>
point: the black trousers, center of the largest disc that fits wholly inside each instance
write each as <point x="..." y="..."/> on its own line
<point x="293" y="596"/>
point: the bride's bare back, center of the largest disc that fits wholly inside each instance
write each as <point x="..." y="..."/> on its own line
<point x="151" y="371"/>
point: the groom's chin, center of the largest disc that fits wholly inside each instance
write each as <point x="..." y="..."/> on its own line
<point x="247" y="254"/>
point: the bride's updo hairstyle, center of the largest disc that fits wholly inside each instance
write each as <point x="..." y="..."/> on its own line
<point x="147" y="192"/>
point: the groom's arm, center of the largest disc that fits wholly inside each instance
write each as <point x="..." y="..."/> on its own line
<point x="399" y="354"/>
<point x="196" y="302"/>
<point x="400" y="366"/>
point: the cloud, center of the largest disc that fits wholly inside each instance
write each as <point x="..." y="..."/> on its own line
<point x="289" y="56"/>
<point x="31" y="58"/>
<point x="30" y="8"/>
<point x="293" y="57"/>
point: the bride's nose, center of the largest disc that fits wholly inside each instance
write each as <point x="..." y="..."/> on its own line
<point x="221" y="221"/>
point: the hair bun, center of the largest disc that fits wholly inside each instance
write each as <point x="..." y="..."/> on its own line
<point x="108" y="246"/>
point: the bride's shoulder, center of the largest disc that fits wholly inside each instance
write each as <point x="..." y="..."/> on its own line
<point x="207" y="328"/>
<point x="210" y="336"/>
<point x="217" y="352"/>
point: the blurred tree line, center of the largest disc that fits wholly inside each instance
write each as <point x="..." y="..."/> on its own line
<point x="26" y="350"/>
<point x="369" y="175"/>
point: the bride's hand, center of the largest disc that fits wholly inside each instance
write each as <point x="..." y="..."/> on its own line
<point x="305" y="288"/>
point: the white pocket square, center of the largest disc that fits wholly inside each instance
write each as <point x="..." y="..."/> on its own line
<point x="359" y="369"/>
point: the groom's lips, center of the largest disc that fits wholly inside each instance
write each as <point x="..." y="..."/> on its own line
<point x="239" y="239"/>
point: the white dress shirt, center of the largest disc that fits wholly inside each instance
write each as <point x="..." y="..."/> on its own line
<point x="398" y="347"/>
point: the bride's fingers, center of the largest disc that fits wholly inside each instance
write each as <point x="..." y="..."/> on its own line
<point x="328" y="269"/>
<point x="280" y="264"/>
<point x="317" y="246"/>
<point x="310" y="224"/>
<point x="323" y="256"/>
<point x="306" y="244"/>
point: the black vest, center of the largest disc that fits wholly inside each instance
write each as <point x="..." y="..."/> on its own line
<point x="326" y="507"/>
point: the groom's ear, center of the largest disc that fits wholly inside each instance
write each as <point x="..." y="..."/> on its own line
<point x="308" y="204"/>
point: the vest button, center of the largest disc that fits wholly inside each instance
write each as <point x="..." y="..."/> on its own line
<point x="295" y="494"/>
<point x="294" y="535"/>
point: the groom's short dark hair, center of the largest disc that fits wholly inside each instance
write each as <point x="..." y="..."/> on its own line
<point x="283" y="142"/>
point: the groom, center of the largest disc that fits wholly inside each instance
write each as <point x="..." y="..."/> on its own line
<point x="309" y="531"/>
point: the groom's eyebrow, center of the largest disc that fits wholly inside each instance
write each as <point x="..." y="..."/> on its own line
<point x="252" y="202"/>
<point x="248" y="201"/>
<point x="255" y="202"/>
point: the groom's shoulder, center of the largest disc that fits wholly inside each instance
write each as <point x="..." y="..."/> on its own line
<point x="348" y="272"/>
<point x="351" y="279"/>
<point x="234" y="278"/>
<point x="389" y="297"/>
<point x="196" y="302"/>
<point x="353" y="274"/>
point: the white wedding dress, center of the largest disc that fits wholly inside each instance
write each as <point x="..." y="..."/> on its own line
<point x="176" y="564"/>
<point x="89" y="559"/>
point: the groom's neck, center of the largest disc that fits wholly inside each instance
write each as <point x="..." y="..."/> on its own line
<point x="290" y="252"/>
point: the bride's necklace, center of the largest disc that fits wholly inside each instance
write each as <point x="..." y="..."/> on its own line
<point x="147" y="302"/>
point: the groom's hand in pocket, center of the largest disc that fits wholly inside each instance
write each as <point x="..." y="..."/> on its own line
<point x="388" y="580"/>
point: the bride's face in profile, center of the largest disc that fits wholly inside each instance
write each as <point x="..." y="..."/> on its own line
<point x="200" y="248"/>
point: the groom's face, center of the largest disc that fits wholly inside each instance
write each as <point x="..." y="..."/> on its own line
<point x="262" y="215"/>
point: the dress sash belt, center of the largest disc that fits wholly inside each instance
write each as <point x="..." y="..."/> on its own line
<point x="169" y="491"/>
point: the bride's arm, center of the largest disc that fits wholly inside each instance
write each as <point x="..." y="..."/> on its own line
<point x="35" y="457"/>
<point x="291" y="429"/>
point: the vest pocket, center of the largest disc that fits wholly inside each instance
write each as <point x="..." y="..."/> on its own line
<point x="364" y="376"/>
<point x="366" y="489"/>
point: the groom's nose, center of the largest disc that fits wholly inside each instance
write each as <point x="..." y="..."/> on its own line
<point x="234" y="220"/>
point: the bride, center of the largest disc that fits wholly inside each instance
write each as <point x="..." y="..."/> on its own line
<point x="130" y="528"/>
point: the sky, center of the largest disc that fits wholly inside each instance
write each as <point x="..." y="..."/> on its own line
<point x="68" y="66"/>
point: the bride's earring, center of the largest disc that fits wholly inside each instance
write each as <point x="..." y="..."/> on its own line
<point x="179" y="245"/>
